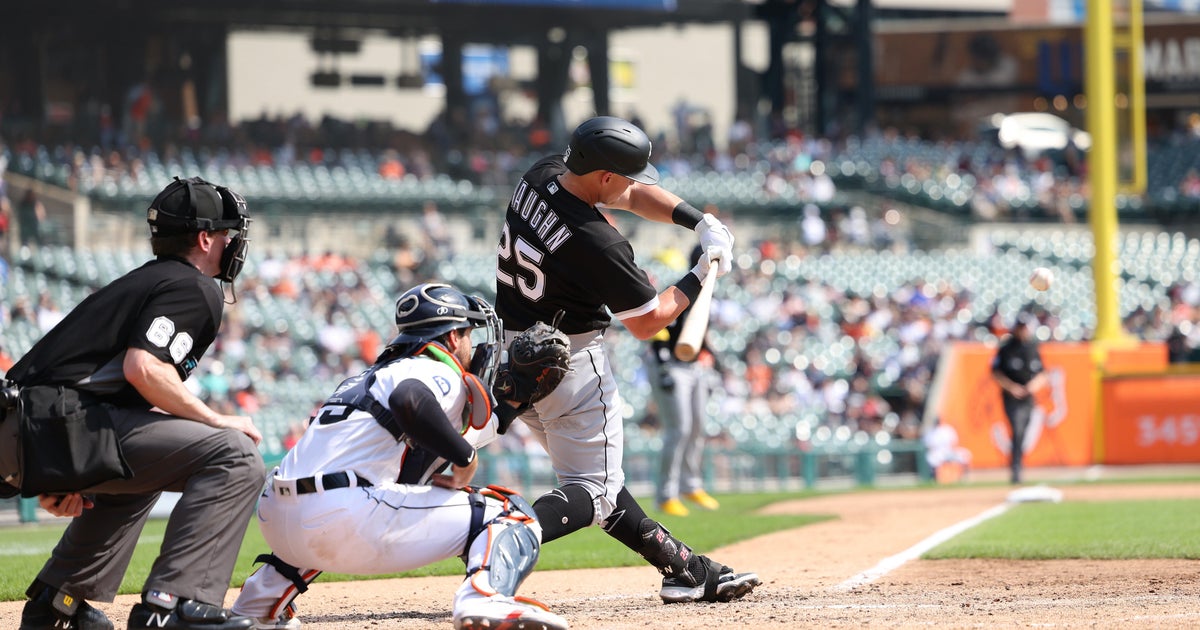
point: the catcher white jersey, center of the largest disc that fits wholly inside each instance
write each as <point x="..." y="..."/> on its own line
<point x="343" y="438"/>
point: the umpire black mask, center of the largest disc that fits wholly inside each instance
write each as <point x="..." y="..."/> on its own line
<point x="234" y="256"/>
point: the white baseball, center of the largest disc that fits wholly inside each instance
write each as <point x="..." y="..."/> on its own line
<point x="1041" y="278"/>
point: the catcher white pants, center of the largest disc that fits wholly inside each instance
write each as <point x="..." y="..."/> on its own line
<point x="387" y="528"/>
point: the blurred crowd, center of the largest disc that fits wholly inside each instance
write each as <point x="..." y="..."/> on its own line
<point x="996" y="184"/>
<point x="257" y="355"/>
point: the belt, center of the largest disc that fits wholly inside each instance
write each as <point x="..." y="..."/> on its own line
<point x="328" y="481"/>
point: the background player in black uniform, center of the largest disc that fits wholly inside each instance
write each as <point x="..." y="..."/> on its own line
<point x="558" y="253"/>
<point x="1019" y="372"/>
<point x="126" y="350"/>
<point x="680" y="390"/>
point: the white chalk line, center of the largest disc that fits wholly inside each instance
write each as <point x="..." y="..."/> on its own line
<point x="892" y="563"/>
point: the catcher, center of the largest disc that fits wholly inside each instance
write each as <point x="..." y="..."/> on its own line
<point x="363" y="492"/>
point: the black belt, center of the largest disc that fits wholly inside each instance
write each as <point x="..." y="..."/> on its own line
<point x="330" y="481"/>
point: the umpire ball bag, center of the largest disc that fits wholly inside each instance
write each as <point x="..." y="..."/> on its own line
<point x="62" y="445"/>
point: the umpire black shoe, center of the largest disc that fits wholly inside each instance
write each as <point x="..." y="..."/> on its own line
<point x="713" y="582"/>
<point x="55" y="610"/>
<point x="166" y="612"/>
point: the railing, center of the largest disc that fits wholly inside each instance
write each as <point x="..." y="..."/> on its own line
<point x="725" y="470"/>
<point x="738" y="470"/>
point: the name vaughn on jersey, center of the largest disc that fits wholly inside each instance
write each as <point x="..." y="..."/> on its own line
<point x="529" y="205"/>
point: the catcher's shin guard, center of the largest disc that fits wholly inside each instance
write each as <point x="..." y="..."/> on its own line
<point x="502" y="553"/>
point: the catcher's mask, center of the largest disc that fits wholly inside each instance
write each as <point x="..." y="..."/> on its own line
<point x="195" y="205"/>
<point x="428" y="311"/>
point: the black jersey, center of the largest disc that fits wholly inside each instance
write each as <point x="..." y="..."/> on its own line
<point x="559" y="253"/>
<point x="166" y="307"/>
<point x="1019" y="361"/>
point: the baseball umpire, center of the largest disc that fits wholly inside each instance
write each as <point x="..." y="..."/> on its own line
<point x="107" y="425"/>
<point x="352" y="496"/>
<point x="558" y="253"/>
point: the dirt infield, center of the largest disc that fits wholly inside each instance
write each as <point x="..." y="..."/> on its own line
<point x="810" y="581"/>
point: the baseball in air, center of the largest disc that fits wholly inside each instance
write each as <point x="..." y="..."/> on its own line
<point x="1041" y="278"/>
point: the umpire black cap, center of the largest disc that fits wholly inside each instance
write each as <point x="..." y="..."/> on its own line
<point x="608" y="143"/>
<point x="194" y="205"/>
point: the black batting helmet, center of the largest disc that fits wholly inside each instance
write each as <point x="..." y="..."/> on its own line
<point x="608" y="143"/>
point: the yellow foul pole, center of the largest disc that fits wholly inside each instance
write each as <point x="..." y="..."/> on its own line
<point x="1100" y="87"/>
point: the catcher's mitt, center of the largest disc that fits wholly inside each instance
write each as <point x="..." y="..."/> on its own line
<point x="538" y="360"/>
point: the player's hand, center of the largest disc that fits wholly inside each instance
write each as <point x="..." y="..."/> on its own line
<point x="71" y="505"/>
<point x="459" y="477"/>
<point x="711" y="256"/>
<point x="713" y="233"/>
<point x="244" y="424"/>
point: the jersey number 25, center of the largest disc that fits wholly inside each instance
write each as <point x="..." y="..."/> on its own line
<point x="529" y="259"/>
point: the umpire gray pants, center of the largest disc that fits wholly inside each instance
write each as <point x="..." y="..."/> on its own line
<point x="220" y="473"/>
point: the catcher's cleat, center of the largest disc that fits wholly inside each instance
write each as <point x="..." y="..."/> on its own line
<point x="501" y="612"/>
<point x="279" y="623"/>
<point x="674" y="507"/>
<point x="48" y="611"/>
<point x="703" y="499"/>
<point x="719" y="584"/>
<point x="285" y="621"/>
<point x="170" y="613"/>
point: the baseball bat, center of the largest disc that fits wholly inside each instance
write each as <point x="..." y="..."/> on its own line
<point x="691" y="335"/>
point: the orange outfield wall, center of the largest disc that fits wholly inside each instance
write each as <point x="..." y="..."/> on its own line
<point x="1063" y="429"/>
<point x="1151" y="419"/>
<point x="1060" y="432"/>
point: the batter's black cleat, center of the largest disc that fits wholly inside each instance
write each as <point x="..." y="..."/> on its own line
<point x="54" y="610"/>
<point x="166" y="612"/>
<point x="714" y="582"/>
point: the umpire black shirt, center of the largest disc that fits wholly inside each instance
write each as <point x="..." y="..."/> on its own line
<point x="166" y="307"/>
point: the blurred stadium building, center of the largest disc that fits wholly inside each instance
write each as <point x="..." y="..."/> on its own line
<point x="856" y="146"/>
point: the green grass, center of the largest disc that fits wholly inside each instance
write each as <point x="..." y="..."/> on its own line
<point x="1100" y="530"/>
<point x="24" y="549"/>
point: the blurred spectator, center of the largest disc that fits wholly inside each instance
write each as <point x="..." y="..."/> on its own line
<point x="812" y="227"/>
<point x="436" y="231"/>
<point x="6" y="361"/>
<point x="48" y="312"/>
<point x="948" y="459"/>
<point x="390" y="166"/>
<point x="6" y="219"/>
<point x="1190" y="186"/>
<point x="294" y="431"/>
<point x="31" y="218"/>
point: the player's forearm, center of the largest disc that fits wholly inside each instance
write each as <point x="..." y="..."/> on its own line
<point x="652" y="203"/>
<point x="159" y="383"/>
<point x="671" y="303"/>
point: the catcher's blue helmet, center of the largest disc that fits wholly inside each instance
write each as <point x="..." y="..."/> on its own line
<point x="427" y="311"/>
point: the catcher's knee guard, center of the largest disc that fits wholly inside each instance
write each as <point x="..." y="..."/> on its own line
<point x="502" y="553"/>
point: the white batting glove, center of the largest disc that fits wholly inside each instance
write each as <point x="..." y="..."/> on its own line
<point x="711" y="256"/>
<point x="714" y="234"/>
